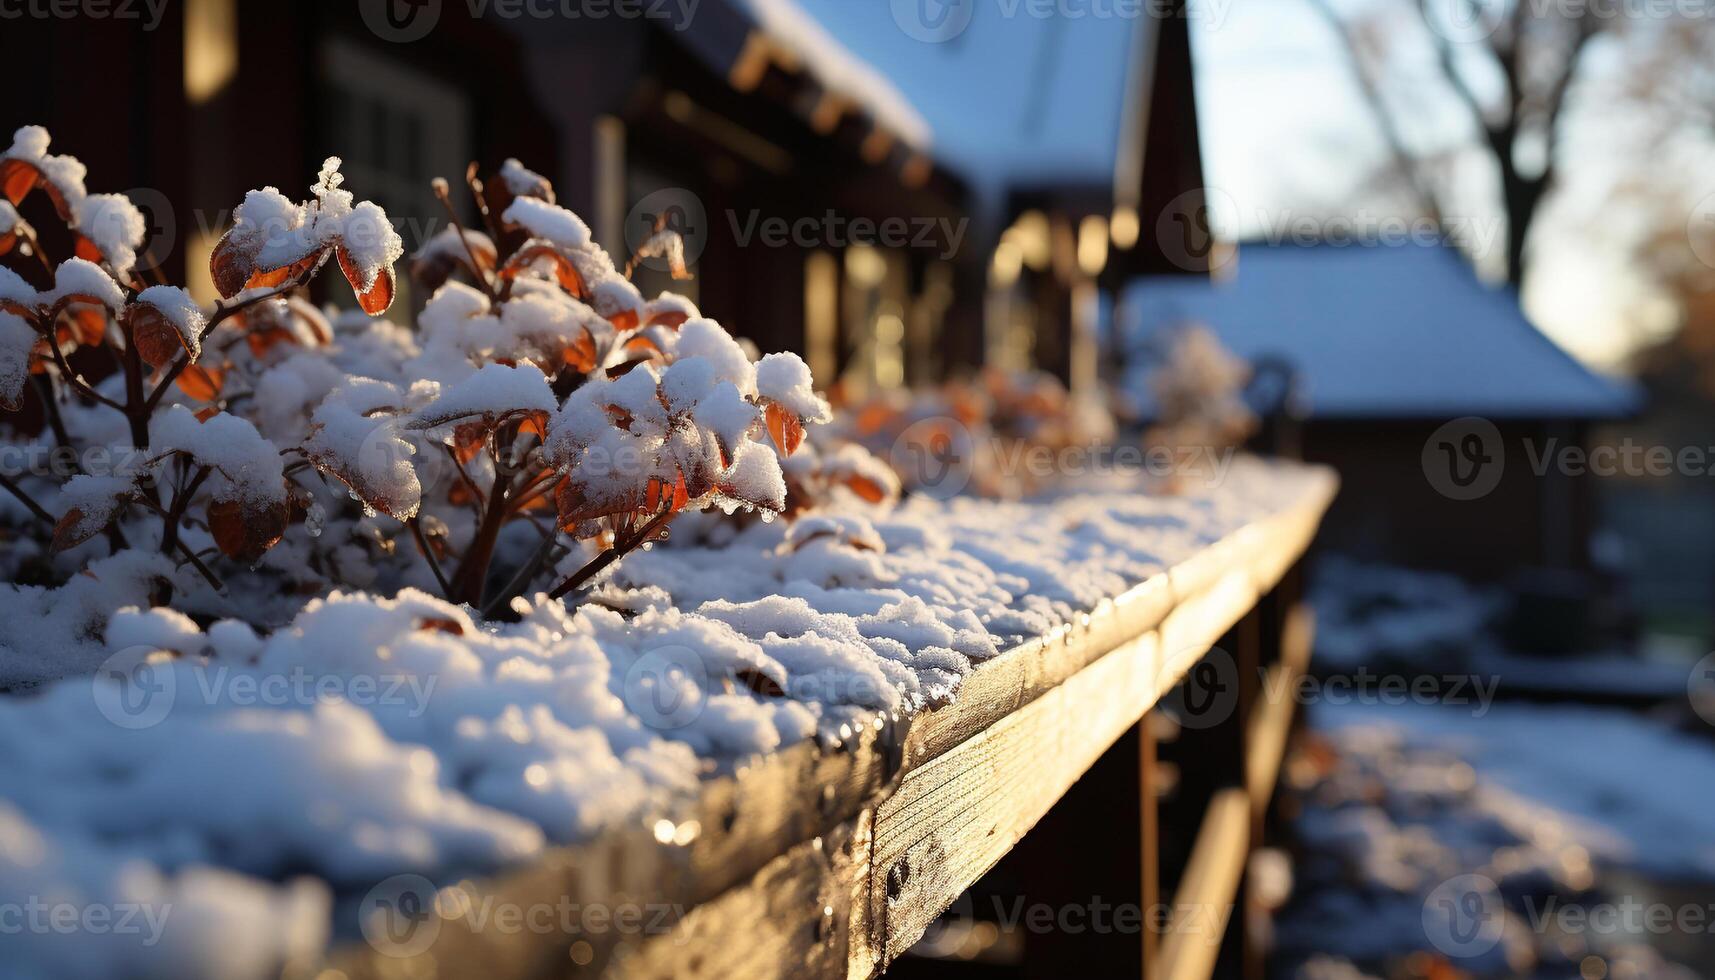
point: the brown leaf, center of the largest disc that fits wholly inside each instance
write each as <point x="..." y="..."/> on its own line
<point x="88" y="323"/>
<point x="379" y="296"/>
<point x="158" y="340"/>
<point x="67" y="533"/>
<point x="230" y="267"/>
<point x="245" y="533"/>
<point x="785" y="428"/>
<point x="437" y="624"/>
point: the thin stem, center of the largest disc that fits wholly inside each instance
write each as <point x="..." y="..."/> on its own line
<point x="196" y="563"/>
<point x="51" y="408"/>
<point x="72" y="378"/>
<point x="521" y="580"/>
<point x="475" y="266"/>
<point x="611" y="555"/>
<point x="474" y="182"/>
<point x="429" y="554"/>
<point x="181" y="501"/>
<point x="11" y="487"/>
<point x="470" y="484"/>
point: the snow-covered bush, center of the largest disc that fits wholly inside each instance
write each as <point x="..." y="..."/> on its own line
<point x="542" y="420"/>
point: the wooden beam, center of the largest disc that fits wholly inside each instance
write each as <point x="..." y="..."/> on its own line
<point x="1205" y="904"/>
<point x="1271" y="722"/>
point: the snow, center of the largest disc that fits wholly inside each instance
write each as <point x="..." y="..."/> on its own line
<point x="82" y="278"/>
<point x="1545" y="803"/>
<point x="17" y="339"/>
<point x="116" y="227"/>
<point x="1381" y="331"/>
<point x="248" y="467"/>
<point x="548" y="221"/>
<point x="521" y="181"/>
<point x="785" y="379"/>
<point x="403" y="736"/>
<point x="493" y="393"/>
<point x="839" y="69"/>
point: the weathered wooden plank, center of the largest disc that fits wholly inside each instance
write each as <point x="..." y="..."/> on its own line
<point x="1205" y="903"/>
<point x="1271" y="721"/>
<point x="768" y="813"/>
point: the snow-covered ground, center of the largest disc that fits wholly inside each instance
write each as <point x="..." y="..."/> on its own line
<point x="236" y="784"/>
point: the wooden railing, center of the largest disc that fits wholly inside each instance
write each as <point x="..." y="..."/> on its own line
<point x="832" y="863"/>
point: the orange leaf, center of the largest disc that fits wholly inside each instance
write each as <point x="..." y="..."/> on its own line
<point x="18" y="178"/>
<point x="7" y="241"/>
<point x="206" y="412"/>
<point x="86" y="249"/>
<point x="581" y="356"/>
<point x="672" y="319"/>
<point x="784" y="428"/>
<point x="201" y="383"/>
<point x="245" y="533"/>
<point x="379" y="296"/>
<point x="564" y="272"/>
<point x="866" y="488"/>
<point x="262" y="341"/>
<point x="438" y="624"/>
<point x="89" y="324"/>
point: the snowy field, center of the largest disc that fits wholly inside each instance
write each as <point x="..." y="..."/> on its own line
<point x="1565" y="828"/>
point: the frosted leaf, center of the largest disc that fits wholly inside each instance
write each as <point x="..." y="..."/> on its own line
<point x="785" y="379"/>
<point x="754" y="480"/>
<point x="165" y="320"/>
<point x="494" y="394"/>
<point x="114" y="225"/>
<point x="84" y="279"/>
<point x="549" y="221"/>
<point x="88" y="503"/>
<point x="17" y="340"/>
<point x="366" y="452"/>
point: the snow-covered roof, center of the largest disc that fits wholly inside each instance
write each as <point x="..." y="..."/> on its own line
<point x="1383" y="332"/>
<point x="1010" y="99"/>
<point x="837" y="68"/>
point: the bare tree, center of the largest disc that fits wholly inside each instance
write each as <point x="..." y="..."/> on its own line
<point x="1533" y="49"/>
